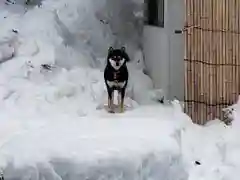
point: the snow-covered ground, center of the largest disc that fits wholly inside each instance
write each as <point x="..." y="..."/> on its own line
<point x="53" y="126"/>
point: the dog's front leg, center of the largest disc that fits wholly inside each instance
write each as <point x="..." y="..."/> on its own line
<point x="119" y="98"/>
<point x="122" y="100"/>
<point x="1" y="176"/>
<point x="110" y="100"/>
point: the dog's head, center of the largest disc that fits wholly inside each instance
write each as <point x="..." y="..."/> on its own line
<point x="117" y="57"/>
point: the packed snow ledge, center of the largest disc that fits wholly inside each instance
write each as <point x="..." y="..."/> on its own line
<point x="53" y="126"/>
<point x="129" y="146"/>
<point x="148" y="142"/>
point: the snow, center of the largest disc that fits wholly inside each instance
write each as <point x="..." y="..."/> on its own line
<point x="152" y="142"/>
<point x="52" y="122"/>
<point x="99" y="144"/>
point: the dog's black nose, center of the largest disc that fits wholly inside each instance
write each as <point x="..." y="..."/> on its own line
<point x="117" y="63"/>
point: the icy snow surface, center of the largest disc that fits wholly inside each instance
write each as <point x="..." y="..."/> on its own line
<point x="52" y="125"/>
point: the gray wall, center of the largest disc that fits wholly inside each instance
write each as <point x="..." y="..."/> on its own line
<point x="164" y="51"/>
<point x="156" y="45"/>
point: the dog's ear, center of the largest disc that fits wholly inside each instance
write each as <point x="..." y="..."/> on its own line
<point x="123" y="49"/>
<point x="110" y="49"/>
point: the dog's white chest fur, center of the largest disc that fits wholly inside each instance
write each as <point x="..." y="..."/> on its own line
<point x="116" y="84"/>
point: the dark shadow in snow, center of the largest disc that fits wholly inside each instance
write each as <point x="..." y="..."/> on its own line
<point x="25" y="3"/>
<point x="7" y="51"/>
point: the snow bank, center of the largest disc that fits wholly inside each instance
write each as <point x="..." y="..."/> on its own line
<point x="71" y="34"/>
<point x="147" y="142"/>
<point x="130" y="146"/>
<point x="85" y="25"/>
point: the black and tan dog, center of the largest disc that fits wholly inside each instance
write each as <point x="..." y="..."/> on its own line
<point x="116" y="76"/>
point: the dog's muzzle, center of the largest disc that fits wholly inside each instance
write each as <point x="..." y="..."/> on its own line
<point x="116" y="64"/>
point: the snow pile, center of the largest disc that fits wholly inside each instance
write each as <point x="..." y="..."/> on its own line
<point x="130" y="146"/>
<point x="71" y="34"/>
<point x="148" y="142"/>
<point x="232" y="114"/>
<point x="85" y="25"/>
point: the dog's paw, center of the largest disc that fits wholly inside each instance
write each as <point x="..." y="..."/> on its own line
<point x="121" y="110"/>
<point x="111" y="111"/>
<point x="1" y="176"/>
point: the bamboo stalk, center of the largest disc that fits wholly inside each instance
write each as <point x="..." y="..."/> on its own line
<point x="204" y="82"/>
<point x="208" y="58"/>
<point x="214" y="42"/>
<point x="237" y="45"/>
<point x="234" y="95"/>
<point x="225" y="54"/>
<point x="231" y="73"/>
<point x="216" y="39"/>
<point x="212" y="60"/>
<point x="203" y="74"/>
<point x="220" y="78"/>
<point x="196" y="64"/>
<point x="191" y="51"/>
<point x="185" y="56"/>
<point x="188" y="56"/>
<point x="236" y="50"/>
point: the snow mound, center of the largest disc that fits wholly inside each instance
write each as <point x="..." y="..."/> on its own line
<point x="70" y="35"/>
<point x="101" y="146"/>
<point x="147" y="142"/>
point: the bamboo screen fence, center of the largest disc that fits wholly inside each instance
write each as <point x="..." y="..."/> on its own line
<point x="212" y="57"/>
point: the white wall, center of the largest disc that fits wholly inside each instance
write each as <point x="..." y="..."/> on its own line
<point x="155" y="45"/>
<point x="164" y="51"/>
<point x="176" y="48"/>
